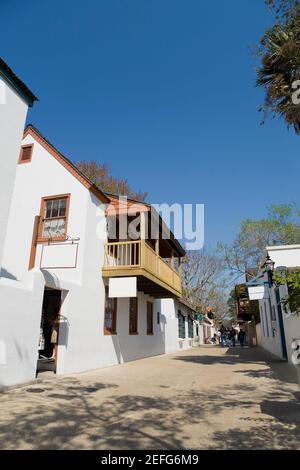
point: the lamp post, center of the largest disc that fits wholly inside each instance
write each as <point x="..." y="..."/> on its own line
<point x="269" y="268"/>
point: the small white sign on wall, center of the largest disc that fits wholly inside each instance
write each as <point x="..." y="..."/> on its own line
<point x="258" y="293"/>
<point x="59" y="256"/>
<point x="120" y="287"/>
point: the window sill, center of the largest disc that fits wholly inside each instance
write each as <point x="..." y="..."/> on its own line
<point x="52" y="240"/>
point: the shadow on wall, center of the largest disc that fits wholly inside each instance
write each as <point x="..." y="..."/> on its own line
<point x="63" y="331"/>
<point x="51" y="280"/>
<point x="8" y="275"/>
<point x="64" y="324"/>
<point x="87" y="416"/>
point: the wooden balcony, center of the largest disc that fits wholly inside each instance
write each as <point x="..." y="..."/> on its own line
<point x="136" y="258"/>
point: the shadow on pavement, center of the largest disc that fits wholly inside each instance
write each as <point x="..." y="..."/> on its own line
<point x="276" y="368"/>
<point x="84" y="413"/>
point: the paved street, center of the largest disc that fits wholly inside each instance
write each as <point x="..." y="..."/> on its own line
<point x="202" y="398"/>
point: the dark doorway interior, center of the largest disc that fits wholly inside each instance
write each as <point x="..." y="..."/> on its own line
<point x="49" y="330"/>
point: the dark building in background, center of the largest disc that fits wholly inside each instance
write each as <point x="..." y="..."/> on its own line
<point x="247" y="310"/>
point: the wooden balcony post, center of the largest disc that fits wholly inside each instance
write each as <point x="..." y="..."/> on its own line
<point x="106" y="262"/>
<point x="172" y="266"/>
<point x="143" y="226"/>
<point x="157" y="256"/>
<point x="143" y="237"/>
<point x="172" y="260"/>
<point x="179" y="267"/>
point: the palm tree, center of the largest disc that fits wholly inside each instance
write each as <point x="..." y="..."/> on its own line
<point x="280" y="53"/>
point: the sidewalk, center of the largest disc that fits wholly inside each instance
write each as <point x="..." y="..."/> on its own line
<point x="203" y="398"/>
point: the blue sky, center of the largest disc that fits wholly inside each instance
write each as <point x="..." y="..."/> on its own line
<point x="161" y="90"/>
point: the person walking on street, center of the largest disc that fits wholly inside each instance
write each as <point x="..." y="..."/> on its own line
<point x="241" y="338"/>
<point x="222" y="336"/>
<point x="233" y="335"/>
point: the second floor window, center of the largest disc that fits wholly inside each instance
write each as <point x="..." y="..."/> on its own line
<point x="54" y="217"/>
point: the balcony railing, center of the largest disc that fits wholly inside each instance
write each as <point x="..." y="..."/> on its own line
<point x="138" y="255"/>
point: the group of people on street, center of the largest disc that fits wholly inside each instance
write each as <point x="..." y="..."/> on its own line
<point x="228" y="337"/>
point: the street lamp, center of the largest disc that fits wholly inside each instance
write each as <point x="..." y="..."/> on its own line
<point x="269" y="268"/>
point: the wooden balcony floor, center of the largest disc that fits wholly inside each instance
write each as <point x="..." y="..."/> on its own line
<point x="137" y="259"/>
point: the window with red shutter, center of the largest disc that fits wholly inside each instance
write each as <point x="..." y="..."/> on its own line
<point x="26" y="154"/>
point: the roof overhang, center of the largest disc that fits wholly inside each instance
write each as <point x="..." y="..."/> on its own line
<point x="16" y="83"/>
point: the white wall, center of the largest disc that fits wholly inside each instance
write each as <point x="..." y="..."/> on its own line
<point x="169" y="308"/>
<point x="12" y="121"/>
<point x="270" y="335"/>
<point x="82" y="343"/>
<point x="292" y="332"/>
<point x="169" y="314"/>
<point x="291" y="323"/>
<point x="187" y="342"/>
<point x="259" y="334"/>
<point x="288" y="256"/>
<point x="44" y="176"/>
<point x="198" y="338"/>
<point x="270" y="332"/>
<point x="16" y="299"/>
<point x="83" y="290"/>
<point x="124" y="347"/>
<point x="201" y="334"/>
<point x="19" y="329"/>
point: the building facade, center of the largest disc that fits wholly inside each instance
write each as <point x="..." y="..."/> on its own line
<point x="80" y="296"/>
<point x="277" y="329"/>
<point x="185" y="327"/>
<point x="15" y="98"/>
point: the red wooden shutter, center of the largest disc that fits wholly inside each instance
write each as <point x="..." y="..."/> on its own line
<point x="25" y="155"/>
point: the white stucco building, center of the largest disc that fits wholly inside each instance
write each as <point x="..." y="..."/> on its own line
<point x="277" y="329"/>
<point x="15" y="98"/>
<point x="185" y="327"/>
<point x="72" y="291"/>
<point x="182" y="332"/>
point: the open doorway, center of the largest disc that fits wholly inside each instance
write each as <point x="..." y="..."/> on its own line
<point x="49" y="330"/>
